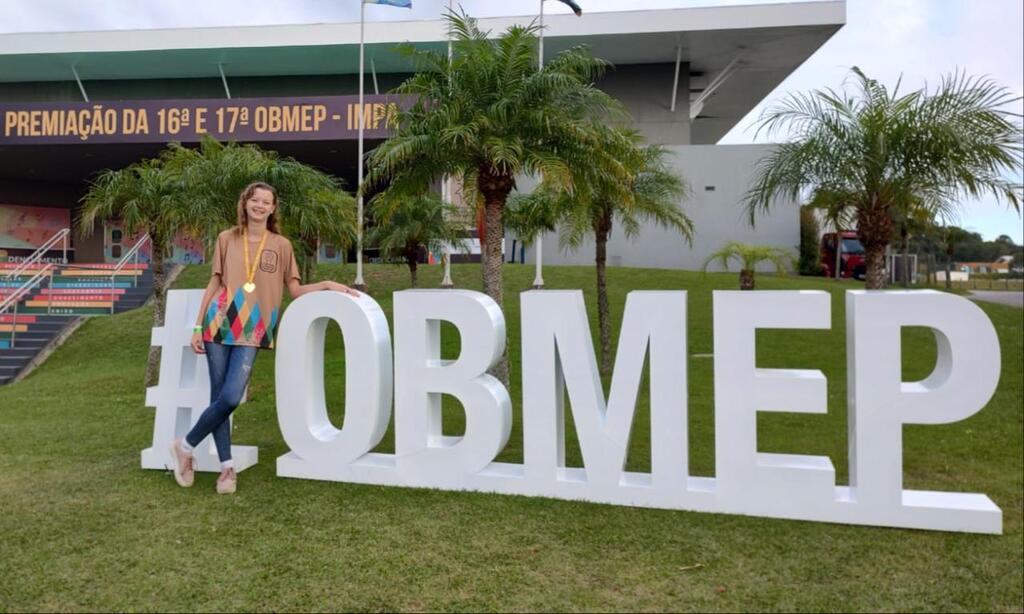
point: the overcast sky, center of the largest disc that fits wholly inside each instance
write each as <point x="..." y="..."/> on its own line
<point x="920" y="39"/>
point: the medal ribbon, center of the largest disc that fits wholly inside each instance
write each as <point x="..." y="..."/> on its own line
<point x="251" y="269"/>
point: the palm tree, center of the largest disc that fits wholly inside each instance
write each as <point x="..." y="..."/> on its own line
<point x="810" y="239"/>
<point x="749" y="256"/>
<point x="888" y="151"/>
<point x="917" y="220"/>
<point x="528" y="216"/>
<point x="414" y="225"/>
<point x="487" y="114"/>
<point x="313" y="205"/>
<point x="651" y="192"/>
<point x="196" y="191"/>
<point x="951" y="237"/>
<point x="147" y="198"/>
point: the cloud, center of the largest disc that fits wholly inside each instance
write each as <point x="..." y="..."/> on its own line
<point x="919" y="41"/>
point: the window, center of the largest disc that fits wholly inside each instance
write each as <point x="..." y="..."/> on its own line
<point x="852" y="246"/>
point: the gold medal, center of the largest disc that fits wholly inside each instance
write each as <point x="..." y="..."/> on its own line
<point x="250" y="270"/>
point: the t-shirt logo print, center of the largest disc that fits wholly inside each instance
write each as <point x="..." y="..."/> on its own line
<point x="268" y="261"/>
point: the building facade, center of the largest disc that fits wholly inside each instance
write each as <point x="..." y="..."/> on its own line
<point x="686" y="76"/>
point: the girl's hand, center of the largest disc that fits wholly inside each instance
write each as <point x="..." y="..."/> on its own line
<point x="336" y="287"/>
<point x="197" y="343"/>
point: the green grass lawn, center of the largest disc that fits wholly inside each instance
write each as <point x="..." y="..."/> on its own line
<point x="82" y="527"/>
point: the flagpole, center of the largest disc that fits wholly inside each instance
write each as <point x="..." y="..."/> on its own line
<point x="359" y="283"/>
<point x="538" y="280"/>
<point x="540" y="56"/>
<point x="446" y="187"/>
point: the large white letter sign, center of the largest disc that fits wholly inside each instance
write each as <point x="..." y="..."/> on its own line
<point x="183" y="391"/>
<point x="965" y="377"/>
<point x="319" y="450"/>
<point x="425" y="456"/>
<point x="558" y="354"/>
<point x="558" y="360"/>
<point x="790" y="485"/>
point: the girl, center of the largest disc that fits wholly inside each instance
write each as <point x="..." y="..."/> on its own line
<point x="252" y="264"/>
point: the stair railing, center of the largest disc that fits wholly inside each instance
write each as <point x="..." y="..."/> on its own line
<point x="37" y="256"/>
<point x="45" y="273"/>
<point x="132" y="254"/>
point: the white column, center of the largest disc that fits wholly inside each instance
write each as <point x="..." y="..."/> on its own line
<point x="359" y="198"/>
<point x="446" y="193"/>
<point x="538" y="278"/>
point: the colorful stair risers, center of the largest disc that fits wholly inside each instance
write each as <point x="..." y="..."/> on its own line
<point x="16" y="282"/>
<point x="69" y="303"/>
<point x="10" y="266"/>
<point x="41" y="294"/>
<point x="91" y="285"/>
<point x="90" y="295"/>
<point x="69" y="291"/>
<point x="74" y="285"/>
<point x="57" y="278"/>
<point x="69" y="311"/>
<point x="97" y="274"/>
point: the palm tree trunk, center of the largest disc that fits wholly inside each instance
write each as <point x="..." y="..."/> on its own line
<point x="874" y="228"/>
<point x="949" y="268"/>
<point x="159" y="305"/>
<point x="747" y="279"/>
<point x="929" y="262"/>
<point x="309" y="262"/>
<point x="603" y="314"/>
<point x="481" y="231"/>
<point x="495" y="190"/>
<point x="874" y="255"/>
<point x="839" y="255"/>
<point x="906" y="257"/>
<point x="492" y="269"/>
<point x="410" y="259"/>
<point x="307" y="271"/>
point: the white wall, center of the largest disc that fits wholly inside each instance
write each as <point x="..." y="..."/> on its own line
<point x="646" y="92"/>
<point x="953" y="276"/>
<point x="718" y="216"/>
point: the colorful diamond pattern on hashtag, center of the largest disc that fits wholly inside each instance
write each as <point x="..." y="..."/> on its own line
<point x="239" y="322"/>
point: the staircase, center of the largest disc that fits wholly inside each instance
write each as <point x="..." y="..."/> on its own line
<point x="45" y="311"/>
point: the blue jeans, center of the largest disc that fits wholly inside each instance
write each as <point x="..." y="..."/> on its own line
<point x="230" y="368"/>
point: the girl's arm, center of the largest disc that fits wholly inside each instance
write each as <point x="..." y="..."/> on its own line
<point x="296" y="289"/>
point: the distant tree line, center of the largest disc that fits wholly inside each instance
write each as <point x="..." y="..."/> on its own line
<point x="971" y="247"/>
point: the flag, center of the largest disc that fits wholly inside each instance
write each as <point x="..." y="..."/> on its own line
<point x="405" y="4"/>
<point x="575" y="7"/>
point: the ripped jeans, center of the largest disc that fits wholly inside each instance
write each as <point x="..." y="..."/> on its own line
<point x="230" y="368"/>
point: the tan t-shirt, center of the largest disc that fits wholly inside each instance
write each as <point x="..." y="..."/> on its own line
<point x="237" y="317"/>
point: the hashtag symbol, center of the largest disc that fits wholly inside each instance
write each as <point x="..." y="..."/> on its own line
<point x="183" y="390"/>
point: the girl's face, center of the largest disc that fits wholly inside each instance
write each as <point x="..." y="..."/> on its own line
<point x="260" y="205"/>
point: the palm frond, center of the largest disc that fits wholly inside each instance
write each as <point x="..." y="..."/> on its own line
<point x="749" y="256"/>
<point x="868" y="150"/>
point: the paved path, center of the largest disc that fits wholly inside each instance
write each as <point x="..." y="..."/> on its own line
<point x="1013" y="299"/>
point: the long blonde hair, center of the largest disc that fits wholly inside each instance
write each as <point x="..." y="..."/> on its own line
<point x="243" y="215"/>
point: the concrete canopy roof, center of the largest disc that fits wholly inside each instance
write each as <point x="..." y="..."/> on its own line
<point x="758" y="45"/>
